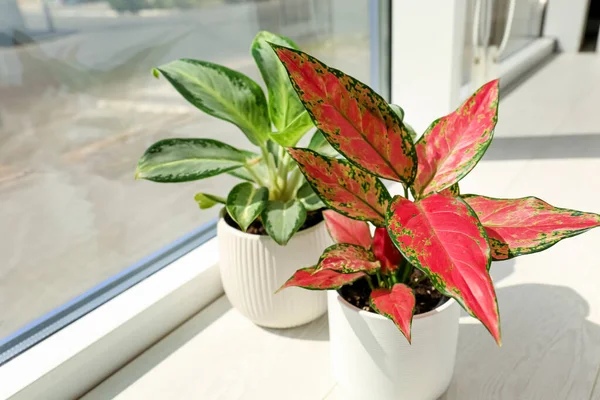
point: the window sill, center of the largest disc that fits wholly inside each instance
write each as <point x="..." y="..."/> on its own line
<point x="219" y="354"/>
<point x="550" y="325"/>
<point x="116" y="332"/>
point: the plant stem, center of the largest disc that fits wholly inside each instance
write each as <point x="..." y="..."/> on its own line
<point x="370" y="282"/>
<point x="257" y="178"/>
<point x="281" y="153"/>
<point x="379" y="279"/>
<point x="406" y="272"/>
<point x="406" y="192"/>
<point x="292" y="182"/>
<point x="282" y="171"/>
<point x="274" y="191"/>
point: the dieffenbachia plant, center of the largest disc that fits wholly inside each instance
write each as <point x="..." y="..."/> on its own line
<point x="273" y="190"/>
<point x="452" y="238"/>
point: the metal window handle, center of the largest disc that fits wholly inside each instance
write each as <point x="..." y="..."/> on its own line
<point x="509" y="22"/>
<point x="475" y="32"/>
<point x="482" y="28"/>
<point x="487" y="27"/>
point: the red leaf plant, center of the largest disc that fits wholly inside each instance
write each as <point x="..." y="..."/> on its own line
<point x="449" y="237"/>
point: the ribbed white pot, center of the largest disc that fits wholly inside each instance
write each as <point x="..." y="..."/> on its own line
<point x="253" y="267"/>
<point x="373" y="360"/>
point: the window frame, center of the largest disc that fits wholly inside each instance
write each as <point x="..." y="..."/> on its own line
<point x="46" y="358"/>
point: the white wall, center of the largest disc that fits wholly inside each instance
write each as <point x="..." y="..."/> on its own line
<point x="565" y="21"/>
<point x="427" y="49"/>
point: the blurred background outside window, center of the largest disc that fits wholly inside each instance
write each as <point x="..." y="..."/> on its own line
<point x="79" y="105"/>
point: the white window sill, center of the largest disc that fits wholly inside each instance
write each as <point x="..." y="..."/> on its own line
<point x="551" y="348"/>
<point x="550" y="325"/>
<point x="78" y="357"/>
<point x="219" y="354"/>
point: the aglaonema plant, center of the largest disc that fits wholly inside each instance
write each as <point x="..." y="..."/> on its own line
<point x="274" y="191"/>
<point x="452" y="238"/>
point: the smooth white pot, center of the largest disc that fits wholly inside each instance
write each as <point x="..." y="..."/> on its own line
<point x="373" y="360"/>
<point x="253" y="267"/>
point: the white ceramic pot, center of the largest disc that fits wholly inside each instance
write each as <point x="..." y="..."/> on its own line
<point x="253" y="267"/>
<point x="373" y="360"/>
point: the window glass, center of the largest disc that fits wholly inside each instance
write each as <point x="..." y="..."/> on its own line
<point x="79" y="105"/>
<point x="525" y="27"/>
<point x="524" y="21"/>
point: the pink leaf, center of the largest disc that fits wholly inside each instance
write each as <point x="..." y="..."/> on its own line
<point x="527" y="225"/>
<point x="343" y="187"/>
<point x="397" y="304"/>
<point x="386" y="251"/>
<point x="354" y="119"/>
<point x="346" y="230"/>
<point x="452" y="191"/>
<point x="442" y="236"/>
<point x="453" y="144"/>
<point x="348" y="258"/>
<point x="309" y="278"/>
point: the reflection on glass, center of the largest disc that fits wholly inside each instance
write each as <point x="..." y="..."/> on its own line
<point x="78" y="106"/>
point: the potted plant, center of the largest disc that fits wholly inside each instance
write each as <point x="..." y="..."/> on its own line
<point x="272" y="220"/>
<point x="432" y="247"/>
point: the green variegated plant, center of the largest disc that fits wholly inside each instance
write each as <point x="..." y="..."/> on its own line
<point x="273" y="189"/>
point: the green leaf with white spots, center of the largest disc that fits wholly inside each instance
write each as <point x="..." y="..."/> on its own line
<point x="274" y="148"/>
<point x="399" y="111"/>
<point x="245" y="203"/>
<point x="182" y="160"/>
<point x="309" y="199"/>
<point x="259" y="169"/>
<point x="222" y="93"/>
<point x="281" y="220"/>
<point x="411" y="131"/>
<point x="206" y="200"/>
<point x="319" y="144"/>
<point x="291" y="134"/>
<point x="284" y="105"/>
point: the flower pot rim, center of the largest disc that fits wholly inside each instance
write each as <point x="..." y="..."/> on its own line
<point x="254" y="236"/>
<point x="368" y="314"/>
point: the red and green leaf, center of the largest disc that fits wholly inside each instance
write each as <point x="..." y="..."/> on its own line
<point x="397" y="304"/>
<point x="442" y="236"/>
<point x="343" y="187"/>
<point x="527" y="225"/>
<point x="386" y="251"/>
<point x="354" y="119"/>
<point x="347" y="230"/>
<point x="452" y="191"/>
<point x="453" y="144"/>
<point x="348" y="258"/>
<point x="309" y="278"/>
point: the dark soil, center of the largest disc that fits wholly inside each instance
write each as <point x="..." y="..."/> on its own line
<point x="427" y="298"/>
<point x="257" y="228"/>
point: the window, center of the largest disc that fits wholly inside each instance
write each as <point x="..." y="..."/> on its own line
<point x="78" y="106"/>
